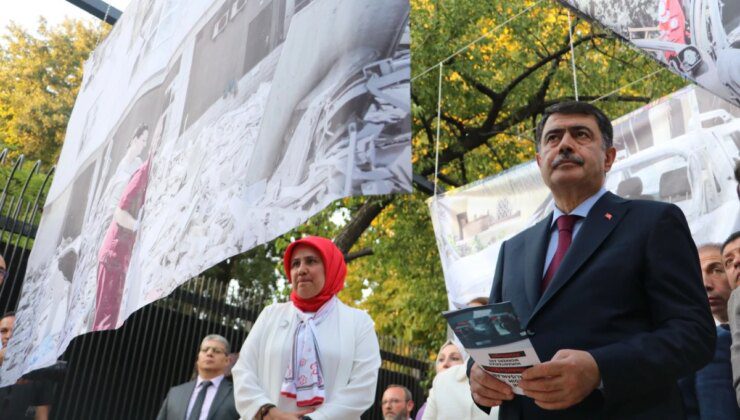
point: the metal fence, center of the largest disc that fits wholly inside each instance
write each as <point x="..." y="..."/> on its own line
<point x="126" y="373"/>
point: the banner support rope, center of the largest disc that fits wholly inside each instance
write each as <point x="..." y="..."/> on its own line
<point x="572" y="56"/>
<point x="439" y="117"/>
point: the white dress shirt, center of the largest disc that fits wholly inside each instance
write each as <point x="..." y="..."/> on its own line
<point x="582" y="210"/>
<point x="210" y="394"/>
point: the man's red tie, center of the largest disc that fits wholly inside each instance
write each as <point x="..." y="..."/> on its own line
<point x="565" y="237"/>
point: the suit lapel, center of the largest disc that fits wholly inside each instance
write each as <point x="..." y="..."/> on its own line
<point x="535" y="248"/>
<point x="222" y="392"/>
<point x="187" y="392"/>
<point x="604" y="216"/>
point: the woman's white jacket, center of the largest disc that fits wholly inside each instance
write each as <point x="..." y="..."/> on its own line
<point x="350" y="359"/>
<point x="450" y="398"/>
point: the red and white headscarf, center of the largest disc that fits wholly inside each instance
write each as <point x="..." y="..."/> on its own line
<point x="304" y="378"/>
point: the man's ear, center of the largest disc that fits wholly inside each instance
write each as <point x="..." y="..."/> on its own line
<point x="611" y="156"/>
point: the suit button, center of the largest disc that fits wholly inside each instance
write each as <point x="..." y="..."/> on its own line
<point x="530" y="332"/>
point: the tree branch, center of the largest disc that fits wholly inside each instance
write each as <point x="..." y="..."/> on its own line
<point x="361" y="221"/>
<point x="359" y="254"/>
<point x="545" y="60"/>
<point x="449" y="181"/>
<point x="463" y="171"/>
<point x="621" y="98"/>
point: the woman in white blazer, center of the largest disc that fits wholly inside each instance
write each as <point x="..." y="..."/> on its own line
<point x="450" y="398"/>
<point x="313" y="357"/>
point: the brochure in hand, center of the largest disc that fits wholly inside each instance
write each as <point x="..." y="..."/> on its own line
<point x="493" y="337"/>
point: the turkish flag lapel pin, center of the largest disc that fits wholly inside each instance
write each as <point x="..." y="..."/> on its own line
<point x="608" y="216"/>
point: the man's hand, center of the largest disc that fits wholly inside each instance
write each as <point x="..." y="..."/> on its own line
<point x="562" y="382"/>
<point x="487" y="390"/>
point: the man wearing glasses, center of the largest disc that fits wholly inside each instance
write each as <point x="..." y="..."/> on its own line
<point x="210" y="395"/>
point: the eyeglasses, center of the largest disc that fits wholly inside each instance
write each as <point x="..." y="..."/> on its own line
<point x="213" y="349"/>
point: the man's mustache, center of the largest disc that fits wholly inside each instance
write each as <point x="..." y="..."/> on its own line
<point x="567" y="157"/>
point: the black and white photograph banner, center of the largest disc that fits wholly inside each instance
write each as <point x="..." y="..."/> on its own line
<point x="681" y="149"/>
<point x="698" y="39"/>
<point x="201" y="132"/>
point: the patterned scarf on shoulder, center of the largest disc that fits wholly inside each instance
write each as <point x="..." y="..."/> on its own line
<point x="304" y="378"/>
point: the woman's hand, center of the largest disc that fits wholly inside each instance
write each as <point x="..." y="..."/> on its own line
<point x="277" y="414"/>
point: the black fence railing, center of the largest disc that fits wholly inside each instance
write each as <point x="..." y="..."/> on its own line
<point x="126" y="373"/>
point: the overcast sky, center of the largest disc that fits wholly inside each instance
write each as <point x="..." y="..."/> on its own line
<point x="26" y="12"/>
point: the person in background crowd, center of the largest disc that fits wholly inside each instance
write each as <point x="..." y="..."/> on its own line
<point x="737" y="178"/>
<point x="210" y="396"/>
<point x="609" y="290"/>
<point x="26" y="399"/>
<point x="397" y="403"/>
<point x="731" y="260"/>
<point x="479" y="301"/>
<point x="449" y="355"/>
<point x="450" y="394"/>
<point x="3" y="270"/>
<point x="313" y="357"/>
<point x="708" y="394"/>
<point x="6" y="331"/>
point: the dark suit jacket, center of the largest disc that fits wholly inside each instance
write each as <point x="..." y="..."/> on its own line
<point x="708" y="394"/>
<point x="629" y="291"/>
<point x="175" y="405"/>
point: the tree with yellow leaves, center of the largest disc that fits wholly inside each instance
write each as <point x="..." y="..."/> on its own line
<point x="40" y="75"/>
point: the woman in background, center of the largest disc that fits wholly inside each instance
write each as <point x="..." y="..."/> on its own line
<point x="448" y="356"/>
<point x="452" y="398"/>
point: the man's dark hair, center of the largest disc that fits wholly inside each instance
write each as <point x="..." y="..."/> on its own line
<point x="711" y="245"/>
<point x="577" y="107"/>
<point x="140" y="130"/>
<point x="406" y="392"/>
<point x="7" y="314"/>
<point x="731" y="238"/>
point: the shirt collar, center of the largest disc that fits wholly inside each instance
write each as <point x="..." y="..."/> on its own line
<point x="215" y="381"/>
<point x="582" y="209"/>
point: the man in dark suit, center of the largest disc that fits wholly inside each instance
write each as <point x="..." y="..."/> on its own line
<point x="708" y="394"/>
<point x="210" y="396"/>
<point x="610" y="293"/>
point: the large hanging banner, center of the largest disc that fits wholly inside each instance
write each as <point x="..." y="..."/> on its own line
<point x="698" y="39"/>
<point x="200" y="132"/>
<point x="681" y="149"/>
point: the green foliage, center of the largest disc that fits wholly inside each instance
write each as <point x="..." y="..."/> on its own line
<point x="18" y="195"/>
<point x="402" y="281"/>
<point x="24" y="177"/>
<point x="39" y="79"/>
